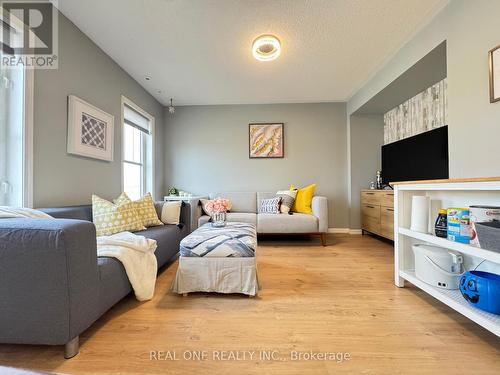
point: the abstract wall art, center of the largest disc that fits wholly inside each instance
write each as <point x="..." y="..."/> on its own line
<point x="266" y="140"/>
<point x="425" y="111"/>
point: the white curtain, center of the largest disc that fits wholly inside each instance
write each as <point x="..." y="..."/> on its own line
<point x="423" y="112"/>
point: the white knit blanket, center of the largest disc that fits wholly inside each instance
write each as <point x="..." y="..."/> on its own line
<point x="136" y="253"/>
<point x="7" y="212"/>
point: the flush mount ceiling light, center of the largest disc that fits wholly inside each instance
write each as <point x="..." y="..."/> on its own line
<point x="266" y="48"/>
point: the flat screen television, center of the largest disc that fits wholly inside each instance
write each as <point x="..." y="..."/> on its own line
<point x="421" y="157"/>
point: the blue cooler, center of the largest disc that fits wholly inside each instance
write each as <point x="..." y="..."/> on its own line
<point x="482" y="290"/>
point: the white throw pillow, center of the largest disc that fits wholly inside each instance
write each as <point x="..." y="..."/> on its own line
<point x="171" y="212"/>
<point x="270" y="206"/>
<point x="203" y="205"/>
<point x="287" y="199"/>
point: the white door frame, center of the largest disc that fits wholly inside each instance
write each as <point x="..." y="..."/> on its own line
<point x="28" y="116"/>
<point x="29" y="78"/>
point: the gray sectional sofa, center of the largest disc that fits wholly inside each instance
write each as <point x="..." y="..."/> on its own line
<point x="245" y="209"/>
<point x="52" y="284"/>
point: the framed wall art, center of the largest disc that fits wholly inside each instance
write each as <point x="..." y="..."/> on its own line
<point x="494" y="60"/>
<point x="266" y="140"/>
<point x="90" y="130"/>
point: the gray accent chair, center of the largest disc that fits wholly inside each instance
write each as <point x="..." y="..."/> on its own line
<point x="52" y="284"/>
<point x="245" y="209"/>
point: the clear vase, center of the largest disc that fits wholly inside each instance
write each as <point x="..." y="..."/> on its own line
<point x="219" y="219"/>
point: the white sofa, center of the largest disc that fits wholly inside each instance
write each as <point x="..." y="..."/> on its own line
<point x="245" y="209"/>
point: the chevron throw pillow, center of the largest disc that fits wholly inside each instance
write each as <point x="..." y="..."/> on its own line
<point x="270" y="206"/>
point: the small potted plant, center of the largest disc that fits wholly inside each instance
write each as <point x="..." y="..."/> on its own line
<point x="173" y="191"/>
<point x="218" y="208"/>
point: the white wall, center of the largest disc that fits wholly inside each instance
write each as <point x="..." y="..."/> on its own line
<point x="85" y="71"/>
<point x="474" y="121"/>
<point x="366" y="140"/>
<point x="471" y="28"/>
<point x="206" y="149"/>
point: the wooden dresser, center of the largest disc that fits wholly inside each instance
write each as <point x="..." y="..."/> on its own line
<point x="377" y="212"/>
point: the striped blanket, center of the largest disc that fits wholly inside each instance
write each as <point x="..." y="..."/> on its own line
<point x="233" y="240"/>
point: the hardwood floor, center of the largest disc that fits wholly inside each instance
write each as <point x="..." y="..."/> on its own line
<point x="339" y="298"/>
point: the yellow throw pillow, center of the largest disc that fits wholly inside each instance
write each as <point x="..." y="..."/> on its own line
<point x="145" y="209"/>
<point x="303" y="200"/>
<point x="112" y="218"/>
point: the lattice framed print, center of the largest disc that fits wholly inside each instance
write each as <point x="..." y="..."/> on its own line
<point x="90" y="130"/>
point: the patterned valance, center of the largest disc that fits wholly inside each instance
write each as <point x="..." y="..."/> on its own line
<point x="423" y="112"/>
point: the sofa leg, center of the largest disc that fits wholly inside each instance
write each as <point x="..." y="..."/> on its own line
<point x="323" y="239"/>
<point x="72" y="348"/>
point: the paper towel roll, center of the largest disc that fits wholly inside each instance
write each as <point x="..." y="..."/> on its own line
<point x="420" y="214"/>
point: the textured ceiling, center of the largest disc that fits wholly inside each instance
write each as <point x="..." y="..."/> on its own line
<point x="198" y="51"/>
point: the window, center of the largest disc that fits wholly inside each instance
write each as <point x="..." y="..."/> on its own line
<point x="138" y="132"/>
<point x="16" y="96"/>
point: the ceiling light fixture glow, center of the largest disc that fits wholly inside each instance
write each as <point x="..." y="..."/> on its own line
<point x="266" y="48"/>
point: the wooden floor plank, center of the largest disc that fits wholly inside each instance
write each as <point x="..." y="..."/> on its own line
<point x="339" y="298"/>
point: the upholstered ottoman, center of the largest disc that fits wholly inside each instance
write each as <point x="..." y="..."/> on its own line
<point x="220" y="260"/>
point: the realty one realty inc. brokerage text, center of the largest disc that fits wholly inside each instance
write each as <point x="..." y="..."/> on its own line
<point x="247" y="355"/>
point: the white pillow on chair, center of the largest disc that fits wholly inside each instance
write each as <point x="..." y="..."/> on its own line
<point x="171" y="212"/>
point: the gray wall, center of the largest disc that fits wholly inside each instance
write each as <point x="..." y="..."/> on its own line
<point x="206" y="149"/>
<point x="85" y="71"/>
<point x="471" y="28"/>
<point x="366" y="139"/>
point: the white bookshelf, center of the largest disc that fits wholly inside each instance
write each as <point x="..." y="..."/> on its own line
<point x="443" y="194"/>
<point x="489" y="255"/>
<point x="454" y="299"/>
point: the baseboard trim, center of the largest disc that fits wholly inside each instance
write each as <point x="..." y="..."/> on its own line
<point x="338" y="230"/>
<point x="344" y="231"/>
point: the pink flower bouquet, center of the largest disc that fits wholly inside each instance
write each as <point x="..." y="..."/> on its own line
<point x="218" y="205"/>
